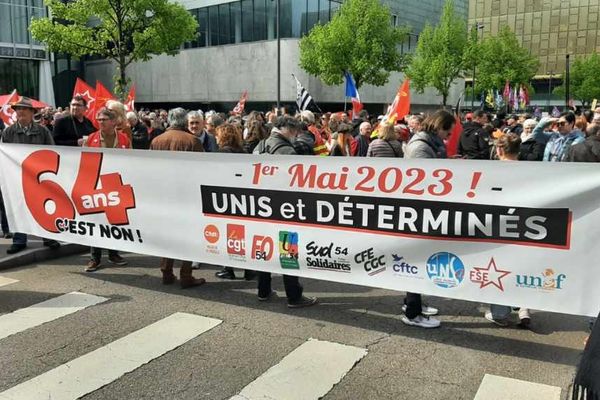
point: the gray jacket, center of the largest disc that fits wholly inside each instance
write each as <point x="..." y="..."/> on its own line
<point x="425" y="145"/>
<point x="38" y="134"/>
<point x="275" y="144"/>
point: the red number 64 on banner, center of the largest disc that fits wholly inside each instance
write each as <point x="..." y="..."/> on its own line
<point x="47" y="200"/>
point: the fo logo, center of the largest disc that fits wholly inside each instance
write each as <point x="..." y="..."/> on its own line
<point x="445" y="270"/>
<point x="236" y="239"/>
<point x="211" y="234"/>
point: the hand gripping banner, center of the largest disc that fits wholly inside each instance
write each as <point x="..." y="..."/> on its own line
<point x="514" y="233"/>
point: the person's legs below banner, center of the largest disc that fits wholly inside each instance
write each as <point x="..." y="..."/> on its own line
<point x="115" y="258"/>
<point x="498" y="314"/>
<point x="95" y="257"/>
<point x="264" y="286"/>
<point x="166" y="267"/>
<point x="19" y="243"/>
<point x="185" y="276"/>
<point x="413" y="312"/>
<point x="293" y="291"/>
<point x="4" y="220"/>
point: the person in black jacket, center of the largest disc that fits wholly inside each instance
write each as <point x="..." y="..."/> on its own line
<point x="139" y="132"/>
<point x="532" y="148"/>
<point x="475" y="142"/>
<point x="69" y="129"/>
<point x="589" y="150"/>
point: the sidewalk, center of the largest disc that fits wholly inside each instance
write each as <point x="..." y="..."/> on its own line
<point x="35" y="252"/>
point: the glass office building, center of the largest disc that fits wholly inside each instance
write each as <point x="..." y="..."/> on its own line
<point x="24" y="62"/>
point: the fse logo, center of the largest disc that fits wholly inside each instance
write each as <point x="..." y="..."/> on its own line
<point x="236" y="240"/>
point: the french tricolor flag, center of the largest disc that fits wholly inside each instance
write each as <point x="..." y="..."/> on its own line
<point x="352" y="92"/>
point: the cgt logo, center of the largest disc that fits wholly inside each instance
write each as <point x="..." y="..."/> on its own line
<point x="262" y="248"/>
<point x="211" y="234"/>
<point x="236" y="239"/>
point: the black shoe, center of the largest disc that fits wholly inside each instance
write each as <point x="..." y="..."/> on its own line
<point x="52" y="244"/>
<point x="249" y="275"/>
<point x="8" y="235"/>
<point x="15" y="248"/>
<point x="225" y="274"/>
<point x="268" y="297"/>
<point x="302" y="302"/>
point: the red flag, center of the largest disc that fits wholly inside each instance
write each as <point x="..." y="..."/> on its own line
<point x="89" y="94"/>
<point x="6" y="113"/>
<point x="401" y="105"/>
<point x="239" y="108"/>
<point x="454" y="138"/>
<point x="506" y="93"/>
<point x="130" y="103"/>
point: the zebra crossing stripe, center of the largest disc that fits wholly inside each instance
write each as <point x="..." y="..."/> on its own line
<point x="94" y="370"/>
<point x="46" y="311"/>
<point x="308" y="372"/>
<point x="500" y="388"/>
<point x="6" y="281"/>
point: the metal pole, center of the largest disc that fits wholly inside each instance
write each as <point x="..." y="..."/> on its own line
<point x="278" y="58"/>
<point x="550" y="89"/>
<point x="567" y="82"/>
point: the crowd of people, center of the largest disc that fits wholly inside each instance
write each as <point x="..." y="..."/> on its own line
<point x="569" y="137"/>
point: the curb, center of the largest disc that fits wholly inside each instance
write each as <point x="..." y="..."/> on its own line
<point x="39" y="254"/>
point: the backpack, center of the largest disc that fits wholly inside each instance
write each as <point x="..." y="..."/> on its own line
<point x="261" y="148"/>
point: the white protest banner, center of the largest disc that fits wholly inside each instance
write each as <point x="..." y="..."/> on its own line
<point x="514" y="233"/>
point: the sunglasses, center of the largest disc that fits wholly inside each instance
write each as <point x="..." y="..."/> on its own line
<point x="561" y="123"/>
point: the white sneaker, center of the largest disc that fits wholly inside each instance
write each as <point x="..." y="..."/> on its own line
<point x="499" y="322"/>
<point x="421" y="321"/>
<point x="425" y="310"/>
<point x="195" y="265"/>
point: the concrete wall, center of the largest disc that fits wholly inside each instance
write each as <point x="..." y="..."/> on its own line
<point x="222" y="73"/>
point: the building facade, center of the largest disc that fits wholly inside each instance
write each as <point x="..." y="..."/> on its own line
<point x="549" y="29"/>
<point x="236" y="50"/>
<point x="24" y="62"/>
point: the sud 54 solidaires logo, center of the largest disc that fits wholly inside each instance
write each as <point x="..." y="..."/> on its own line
<point x="328" y="257"/>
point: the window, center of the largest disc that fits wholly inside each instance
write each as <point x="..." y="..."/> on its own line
<point x="20" y="21"/>
<point x="224" y="25"/>
<point x="324" y="11"/>
<point x="235" y="10"/>
<point x="5" y="25"/>
<point x="312" y="14"/>
<point x="260" y="20"/>
<point x="247" y="21"/>
<point x="203" y="28"/>
<point x="213" y="25"/>
<point x="22" y="74"/>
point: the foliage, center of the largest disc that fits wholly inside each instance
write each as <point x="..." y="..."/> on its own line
<point x="501" y="58"/>
<point x="122" y="30"/>
<point x="359" y="39"/>
<point x="440" y="55"/>
<point x="584" y="79"/>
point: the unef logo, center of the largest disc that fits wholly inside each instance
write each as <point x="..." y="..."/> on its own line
<point x="262" y="248"/>
<point x="445" y="270"/>
<point x="548" y="280"/>
<point x="490" y="275"/>
<point x="288" y="250"/>
<point x="236" y="240"/>
<point x="211" y="234"/>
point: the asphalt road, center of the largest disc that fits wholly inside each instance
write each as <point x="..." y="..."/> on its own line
<point x="399" y="362"/>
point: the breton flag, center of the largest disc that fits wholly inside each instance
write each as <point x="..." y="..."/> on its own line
<point x="304" y="100"/>
<point x="352" y="92"/>
<point x="239" y="108"/>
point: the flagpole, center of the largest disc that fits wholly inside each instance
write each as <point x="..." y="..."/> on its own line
<point x="278" y="59"/>
<point x="345" y="102"/>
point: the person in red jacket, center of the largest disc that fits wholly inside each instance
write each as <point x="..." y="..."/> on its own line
<point x="107" y="137"/>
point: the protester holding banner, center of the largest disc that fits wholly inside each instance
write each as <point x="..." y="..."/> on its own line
<point x="280" y="142"/>
<point x="106" y="137"/>
<point x="429" y="143"/>
<point x="177" y="139"/>
<point x="26" y="131"/>
<point x="70" y="129"/>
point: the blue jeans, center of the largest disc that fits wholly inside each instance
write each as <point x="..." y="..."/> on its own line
<point x="500" y="312"/>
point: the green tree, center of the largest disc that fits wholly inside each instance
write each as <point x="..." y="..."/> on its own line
<point x="440" y="55"/>
<point x="502" y="58"/>
<point x="125" y="31"/>
<point x="359" y="39"/>
<point x="584" y="79"/>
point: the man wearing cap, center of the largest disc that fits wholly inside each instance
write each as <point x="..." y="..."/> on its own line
<point x="26" y="131"/>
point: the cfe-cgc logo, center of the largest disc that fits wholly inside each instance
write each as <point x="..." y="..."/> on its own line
<point x="211" y="235"/>
<point x="262" y="248"/>
<point x="547" y="281"/>
<point x="490" y="275"/>
<point x="288" y="250"/>
<point x="372" y="263"/>
<point x="327" y="258"/>
<point x="403" y="268"/>
<point x="445" y="269"/>
<point x="236" y="241"/>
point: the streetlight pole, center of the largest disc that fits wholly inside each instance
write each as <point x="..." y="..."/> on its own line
<point x="567" y="81"/>
<point x="550" y="89"/>
<point x="278" y="58"/>
<point x="478" y="27"/>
